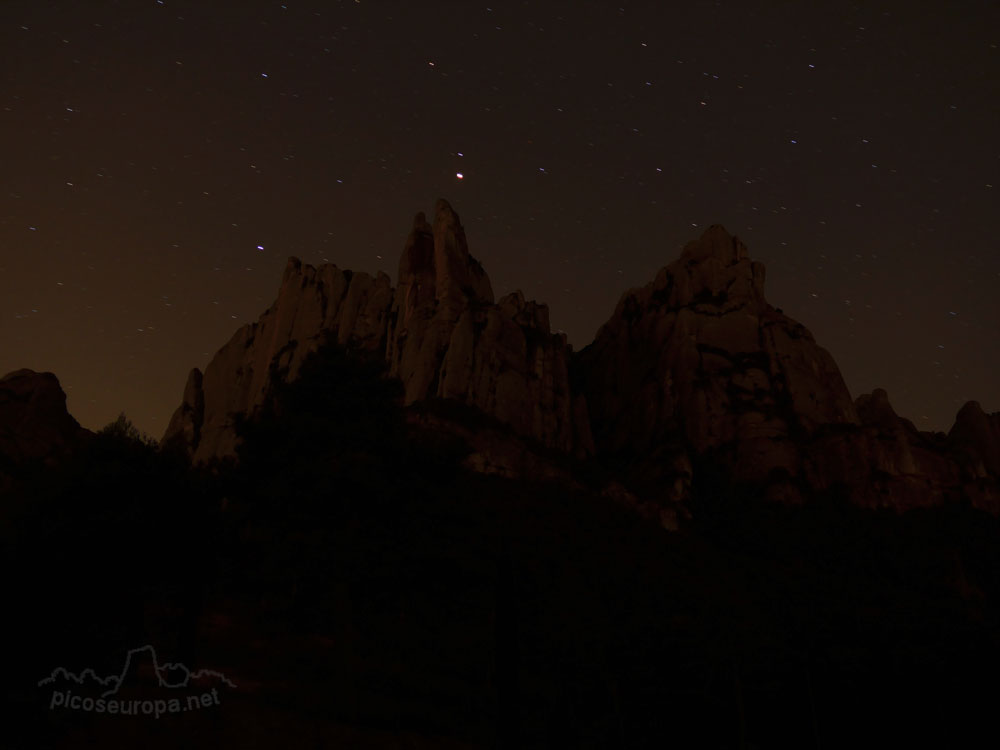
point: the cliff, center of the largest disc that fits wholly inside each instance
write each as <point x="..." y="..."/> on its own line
<point x="695" y="369"/>
<point x="441" y="334"/>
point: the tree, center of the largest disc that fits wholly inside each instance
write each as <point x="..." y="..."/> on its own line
<point x="123" y="429"/>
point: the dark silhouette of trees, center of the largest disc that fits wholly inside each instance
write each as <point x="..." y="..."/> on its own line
<point x="125" y="432"/>
<point x="423" y="598"/>
<point x="112" y="547"/>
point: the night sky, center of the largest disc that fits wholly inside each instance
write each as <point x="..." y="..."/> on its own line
<point x="159" y="161"/>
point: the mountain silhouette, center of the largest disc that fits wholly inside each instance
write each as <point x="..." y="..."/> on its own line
<point x="412" y="515"/>
<point x="694" y="369"/>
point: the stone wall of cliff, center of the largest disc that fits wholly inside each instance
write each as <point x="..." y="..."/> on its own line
<point x="694" y="366"/>
<point x="439" y="329"/>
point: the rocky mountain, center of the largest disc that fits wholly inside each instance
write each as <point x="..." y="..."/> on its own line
<point x="360" y="587"/>
<point x="440" y="330"/>
<point x="694" y="369"/>
<point x="698" y="365"/>
<point x="35" y="426"/>
<point x="447" y="338"/>
<point x="353" y="307"/>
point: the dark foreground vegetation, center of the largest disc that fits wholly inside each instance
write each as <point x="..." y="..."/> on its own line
<point x="362" y="590"/>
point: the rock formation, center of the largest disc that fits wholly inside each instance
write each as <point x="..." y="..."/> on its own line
<point x="694" y="369"/>
<point x="977" y="435"/>
<point x="440" y="331"/>
<point x="700" y="351"/>
<point x="34" y="424"/>
<point x="449" y="340"/>
<point x="353" y="307"/>
<point x="697" y="364"/>
<point x="976" y="438"/>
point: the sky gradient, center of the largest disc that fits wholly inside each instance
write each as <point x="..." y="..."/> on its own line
<point x="161" y="160"/>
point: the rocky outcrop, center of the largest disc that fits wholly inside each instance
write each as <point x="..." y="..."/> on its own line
<point x="976" y="440"/>
<point x="887" y="462"/>
<point x="700" y="354"/>
<point x="439" y="330"/>
<point x="693" y="370"/>
<point x="449" y="340"/>
<point x="698" y="365"/>
<point x="976" y="434"/>
<point x="185" y="424"/>
<point x="352" y="307"/>
<point x="35" y="426"/>
<point x="438" y="281"/>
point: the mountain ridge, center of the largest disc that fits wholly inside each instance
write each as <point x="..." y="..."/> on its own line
<point x="694" y="364"/>
<point x="695" y="369"/>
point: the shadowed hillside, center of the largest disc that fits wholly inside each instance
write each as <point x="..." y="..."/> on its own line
<point x="361" y="587"/>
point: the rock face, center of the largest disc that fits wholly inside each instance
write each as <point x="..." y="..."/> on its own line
<point x="699" y="361"/>
<point x="352" y="306"/>
<point x="34" y="423"/>
<point x="697" y="364"/>
<point x="695" y="369"/>
<point x="977" y="436"/>
<point x="699" y="350"/>
<point x="440" y="332"/>
<point x="886" y="461"/>
<point x="185" y="425"/>
<point x="448" y="339"/>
